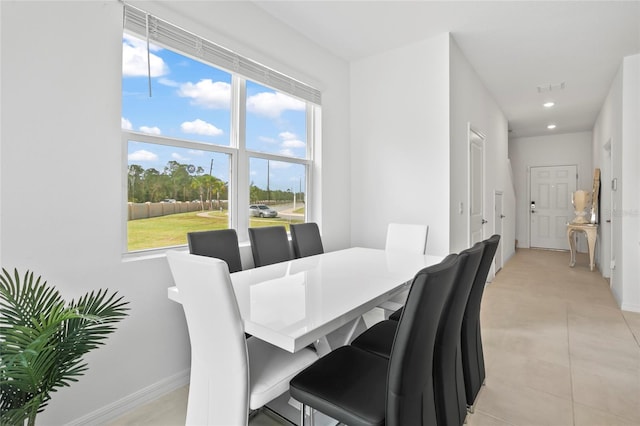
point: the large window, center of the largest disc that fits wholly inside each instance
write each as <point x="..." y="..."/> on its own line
<point x="208" y="148"/>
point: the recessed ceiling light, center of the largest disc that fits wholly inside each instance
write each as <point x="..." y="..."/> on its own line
<point x="551" y="126"/>
<point x="548" y="104"/>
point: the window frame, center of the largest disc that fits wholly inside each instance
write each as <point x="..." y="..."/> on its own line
<point x="239" y="174"/>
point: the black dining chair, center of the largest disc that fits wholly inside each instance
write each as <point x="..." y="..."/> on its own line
<point x="451" y="403"/>
<point x="305" y="239"/>
<point x="471" y="339"/>
<point x="360" y="388"/>
<point x="269" y="245"/>
<point x="220" y="243"/>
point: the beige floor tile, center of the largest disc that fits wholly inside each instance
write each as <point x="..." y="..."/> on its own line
<point x="168" y="410"/>
<point x="532" y="372"/>
<point x="611" y="394"/>
<point x="482" y="419"/>
<point x="521" y="405"/>
<point x="605" y="350"/>
<point x="588" y="416"/>
<point x="633" y="321"/>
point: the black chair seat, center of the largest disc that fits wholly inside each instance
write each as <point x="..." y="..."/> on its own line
<point x="358" y="387"/>
<point x="358" y="382"/>
<point x="378" y="339"/>
<point x="449" y="387"/>
<point x="396" y="315"/>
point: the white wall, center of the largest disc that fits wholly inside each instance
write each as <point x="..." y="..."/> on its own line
<point x="553" y="150"/>
<point x="60" y="140"/>
<point x="471" y="103"/>
<point x="630" y="183"/>
<point x="607" y="134"/>
<point x="400" y="143"/>
<point x="615" y="146"/>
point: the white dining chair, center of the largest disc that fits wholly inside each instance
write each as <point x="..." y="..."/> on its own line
<point x="403" y="238"/>
<point x="407" y="238"/>
<point x="230" y="375"/>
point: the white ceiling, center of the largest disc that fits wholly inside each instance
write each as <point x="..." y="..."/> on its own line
<point x="514" y="46"/>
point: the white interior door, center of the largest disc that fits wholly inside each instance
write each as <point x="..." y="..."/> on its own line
<point x="476" y="185"/>
<point x="551" y="208"/>
<point x="498" y="218"/>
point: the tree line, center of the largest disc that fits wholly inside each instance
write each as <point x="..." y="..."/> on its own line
<point x="186" y="182"/>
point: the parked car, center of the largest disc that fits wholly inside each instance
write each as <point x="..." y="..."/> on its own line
<point x="262" y="210"/>
<point x="168" y="200"/>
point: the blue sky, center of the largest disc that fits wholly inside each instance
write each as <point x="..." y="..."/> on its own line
<point x="191" y="100"/>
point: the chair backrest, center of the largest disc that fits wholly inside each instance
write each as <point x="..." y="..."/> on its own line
<point x="470" y="339"/>
<point x="410" y="397"/>
<point x="220" y="243"/>
<point x="407" y="238"/>
<point x="475" y="297"/>
<point x="213" y="319"/>
<point x="306" y="240"/>
<point x="269" y="245"/>
<point x="451" y="403"/>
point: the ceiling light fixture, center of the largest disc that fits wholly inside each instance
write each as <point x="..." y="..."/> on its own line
<point x="551" y="126"/>
<point x="548" y="104"/>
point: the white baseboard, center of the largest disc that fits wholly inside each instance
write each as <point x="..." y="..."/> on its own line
<point x="122" y="406"/>
<point x="630" y="307"/>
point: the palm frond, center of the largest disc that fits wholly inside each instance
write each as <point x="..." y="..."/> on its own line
<point x="44" y="340"/>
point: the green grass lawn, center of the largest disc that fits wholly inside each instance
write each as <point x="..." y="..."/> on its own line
<point x="172" y="230"/>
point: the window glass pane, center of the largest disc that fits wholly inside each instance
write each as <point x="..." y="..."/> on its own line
<point x="276" y="193"/>
<point x="189" y="100"/>
<point x="172" y="191"/>
<point x="276" y="123"/>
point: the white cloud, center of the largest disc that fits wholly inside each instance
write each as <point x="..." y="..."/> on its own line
<point x="143" y="155"/>
<point x="198" y="152"/>
<point x="287" y="135"/>
<point x="125" y="124"/>
<point x="267" y="139"/>
<point x="293" y="143"/>
<point x="168" y="82"/>
<point x="200" y="127"/>
<point x="271" y="104"/>
<point x="207" y="93"/>
<point x="134" y="59"/>
<point x="151" y="130"/>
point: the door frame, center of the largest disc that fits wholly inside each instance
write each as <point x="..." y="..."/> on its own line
<point x="471" y="131"/>
<point x="497" y="219"/>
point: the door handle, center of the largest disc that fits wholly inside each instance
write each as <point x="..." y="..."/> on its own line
<point x="502" y="216"/>
<point x="484" y="221"/>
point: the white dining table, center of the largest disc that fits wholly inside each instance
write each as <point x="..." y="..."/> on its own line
<point x="300" y="302"/>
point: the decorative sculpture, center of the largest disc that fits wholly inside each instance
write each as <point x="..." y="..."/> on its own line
<point x="581" y="200"/>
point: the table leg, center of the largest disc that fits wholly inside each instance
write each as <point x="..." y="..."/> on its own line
<point x="572" y="247"/>
<point x="591" y="240"/>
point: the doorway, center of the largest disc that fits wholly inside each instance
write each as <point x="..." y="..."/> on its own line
<point x="476" y="187"/>
<point x="497" y="227"/>
<point x="551" y="207"/>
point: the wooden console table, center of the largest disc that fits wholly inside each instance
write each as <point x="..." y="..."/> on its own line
<point x="591" y="232"/>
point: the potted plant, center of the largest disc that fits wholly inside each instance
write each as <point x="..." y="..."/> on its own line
<point x="43" y="340"/>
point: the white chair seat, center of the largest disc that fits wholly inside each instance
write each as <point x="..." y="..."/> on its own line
<point x="271" y="369"/>
<point x="229" y="374"/>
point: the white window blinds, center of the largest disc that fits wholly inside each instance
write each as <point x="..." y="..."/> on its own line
<point x="169" y="35"/>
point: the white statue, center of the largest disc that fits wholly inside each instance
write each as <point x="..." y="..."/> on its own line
<point x="581" y="200"/>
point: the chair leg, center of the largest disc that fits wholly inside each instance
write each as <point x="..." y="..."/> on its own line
<point x="303" y="408"/>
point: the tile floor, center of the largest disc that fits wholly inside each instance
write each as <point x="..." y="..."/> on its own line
<point x="558" y="352"/>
